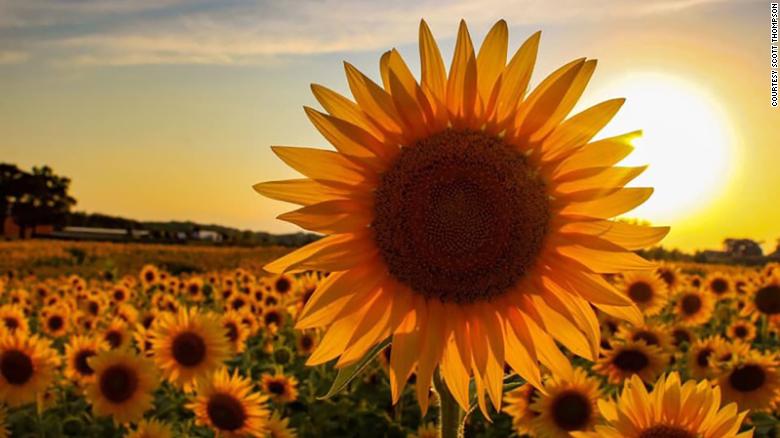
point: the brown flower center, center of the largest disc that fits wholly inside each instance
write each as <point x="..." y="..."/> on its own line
<point x="571" y="410"/>
<point x="767" y="299"/>
<point x="11" y="323"/>
<point x="667" y="276"/>
<point x="640" y="292"/>
<point x="276" y="387"/>
<point x="691" y="304"/>
<point x="16" y="367"/>
<point x="460" y="216"/>
<point x="80" y="362"/>
<point x="740" y="331"/>
<point x="681" y="336"/>
<point x="189" y="349"/>
<point x="232" y="331"/>
<point x="703" y="357"/>
<point x="55" y="323"/>
<point x="664" y="431"/>
<point x="719" y="286"/>
<point x="649" y="337"/>
<point x="226" y="412"/>
<point x="114" y="338"/>
<point x="282" y="285"/>
<point x="631" y="360"/>
<point x="118" y="383"/>
<point x="747" y="378"/>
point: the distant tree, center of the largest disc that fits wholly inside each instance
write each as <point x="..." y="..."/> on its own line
<point x="39" y="197"/>
<point x="742" y="248"/>
<point x="10" y="189"/>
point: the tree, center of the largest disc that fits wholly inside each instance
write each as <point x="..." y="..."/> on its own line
<point x="742" y="247"/>
<point x="39" y="197"/>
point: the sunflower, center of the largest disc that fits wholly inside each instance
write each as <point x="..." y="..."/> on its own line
<point x="694" y="307"/>
<point x="123" y="385"/>
<point x="278" y="427"/>
<point x="274" y="318"/>
<point x="281" y="388"/>
<point x="752" y="381"/>
<point x="670" y="274"/>
<point x="27" y="367"/>
<point x="284" y="284"/>
<point x="120" y="294"/>
<point x="13" y="318"/>
<point x="629" y="358"/>
<point x="742" y="330"/>
<point x="151" y="429"/>
<point x="694" y="281"/>
<point x="237" y="332"/>
<point x="671" y="410"/>
<point x="306" y="342"/>
<point x="764" y="298"/>
<point x="646" y="290"/>
<point x="682" y="336"/>
<point x="654" y="335"/>
<point x="518" y="404"/>
<point x="56" y="323"/>
<point x="566" y="406"/>
<point x="116" y="334"/>
<point x="189" y="345"/>
<point x="77" y="352"/>
<point x="143" y="340"/>
<point x="149" y="276"/>
<point x="719" y="285"/>
<point x="227" y="404"/>
<point x="455" y="208"/>
<point x="702" y="357"/>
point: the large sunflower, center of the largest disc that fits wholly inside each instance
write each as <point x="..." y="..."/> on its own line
<point x="123" y="385"/>
<point x="77" y="353"/>
<point x="671" y="410"/>
<point x="517" y="403"/>
<point x="752" y="381"/>
<point x="647" y="290"/>
<point x="27" y="367"/>
<point x="189" y="345"/>
<point x="465" y="220"/>
<point x="694" y="307"/>
<point x="227" y="404"/>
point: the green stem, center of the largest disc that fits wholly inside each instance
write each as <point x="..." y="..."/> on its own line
<point x="450" y="414"/>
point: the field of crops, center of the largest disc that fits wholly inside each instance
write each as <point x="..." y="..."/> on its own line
<point x="147" y="353"/>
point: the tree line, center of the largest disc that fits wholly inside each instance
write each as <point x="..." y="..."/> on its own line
<point x="37" y="197"/>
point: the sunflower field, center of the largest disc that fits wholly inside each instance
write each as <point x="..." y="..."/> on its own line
<point x="153" y="354"/>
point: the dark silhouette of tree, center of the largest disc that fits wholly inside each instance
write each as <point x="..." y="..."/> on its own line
<point x="742" y="248"/>
<point x="39" y="197"/>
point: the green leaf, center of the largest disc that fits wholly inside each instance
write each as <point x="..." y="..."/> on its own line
<point x="348" y="373"/>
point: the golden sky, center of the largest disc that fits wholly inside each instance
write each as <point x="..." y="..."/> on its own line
<point x="162" y="110"/>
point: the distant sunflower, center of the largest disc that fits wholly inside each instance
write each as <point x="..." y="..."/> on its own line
<point x="646" y="290"/>
<point x="752" y="381"/>
<point x="280" y="387"/>
<point x="694" y="281"/>
<point x="742" y="330"/>
<point x="151" y="429"/>
<point x="655" y="335"/>
<point x="671" y="410"/>
<point x="120" y="294"/>
<point x="566" y="406"/>
<point x="77" y="352"/>
<point x="518" y="403"/>
<point x="463" y="218"/>
<point x="27" y="367"/>
<point x="670" y="274"/>
<point x="227" y="404"/>
<point x="629" y="358"/>
<point x="719" y="285"/>
<point x="13" y="319"/>
<point x="306" y="341"/>
<point x="682" y="336"/>
<point x="123" y="385"/>
<point x="56" y="323"/>
<point x="702" y="357"/>
<point x="189" y="345"/>
<point x="284" y="284"/>
<point x="149" y="275"/>
<point x="274" y="318"/>
<point x="694" y="307"/>
<point x="237" y="332"/>
<point x="278" y="427"/>
<point x="116" y="334"/>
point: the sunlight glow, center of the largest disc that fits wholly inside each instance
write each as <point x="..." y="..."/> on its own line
<point x="686" y="142"/>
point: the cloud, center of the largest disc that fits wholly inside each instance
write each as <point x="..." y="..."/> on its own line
<point x="13" y="57"/>
<point x="238" y="32"/>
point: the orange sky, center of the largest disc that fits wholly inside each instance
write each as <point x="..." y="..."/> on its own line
<point x="166" y="110"/>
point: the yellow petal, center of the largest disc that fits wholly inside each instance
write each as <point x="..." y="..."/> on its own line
<point x="491" y="59"/>
<point x="405" y="348"/>
<point x="434" y="336"/>
<point x="516" y="76"/>
<point x="349" y="139"/>
<point x="595" y="178"/>
<point x="337" y="252"/>
<point x="331" y="217"/>
<point x="343" y="108"/>
<point x="602" y="153"/>
<point x="455" y="374"/>
<point x="372" y="329"/>
<point x="319" y="164"/>
<point x="303" y="191"/>
<point x="614" y="204"/>
<point x="434" y="77"/>
<point x="462" y="82"/>
<point x="579" y="129"/>
<point x="628" y="236"/>
<point x="373" y="100"/>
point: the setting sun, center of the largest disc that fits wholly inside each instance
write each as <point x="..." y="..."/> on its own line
<point x="686" y="142"/>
